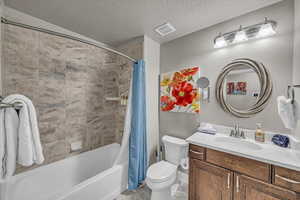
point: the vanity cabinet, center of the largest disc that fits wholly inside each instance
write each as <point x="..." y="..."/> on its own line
<point x="209" y="181"/>
<point x="216" y="175"/>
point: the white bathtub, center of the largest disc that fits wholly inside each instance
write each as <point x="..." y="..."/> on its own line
<point x="88" y="176"/>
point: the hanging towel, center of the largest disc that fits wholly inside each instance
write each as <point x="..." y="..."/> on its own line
<point x="9" y="123"/>
<point x="29" y="145"/>
<point x="287" y="112"/>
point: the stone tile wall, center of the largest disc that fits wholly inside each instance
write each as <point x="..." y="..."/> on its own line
<point x="67" y="82"/>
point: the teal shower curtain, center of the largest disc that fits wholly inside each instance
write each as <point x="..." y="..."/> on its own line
<point x="138" y="141"/>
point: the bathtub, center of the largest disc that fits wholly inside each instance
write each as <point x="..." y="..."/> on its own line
<point x="88" y="176"/>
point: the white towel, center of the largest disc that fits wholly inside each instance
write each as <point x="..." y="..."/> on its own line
<point x="29" y="145"/>
<point x="207" y="128"/>
<point x="287" y="112"/>
<point x="9" y="123"/>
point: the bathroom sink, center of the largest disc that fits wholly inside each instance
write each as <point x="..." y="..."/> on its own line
<point x="239" y="143"/>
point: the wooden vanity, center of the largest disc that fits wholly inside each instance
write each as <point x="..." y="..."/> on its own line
<point x="215" y="175"/>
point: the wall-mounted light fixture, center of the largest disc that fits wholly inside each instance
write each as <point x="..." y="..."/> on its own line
<point x="261" y="30"/>
<point x="220" y="41"/>
<point x="240" y="36"/>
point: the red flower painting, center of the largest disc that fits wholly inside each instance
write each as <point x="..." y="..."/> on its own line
<point x="190" y="71"/>
<point x="166" y="103"/>
<point x="177" y="79"/>
<point x="184" y="93"/>
<point x="179" y="92"/>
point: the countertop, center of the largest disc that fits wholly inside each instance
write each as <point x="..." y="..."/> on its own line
<point x="267" y="152"/>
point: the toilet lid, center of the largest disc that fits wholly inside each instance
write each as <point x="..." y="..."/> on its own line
<point x="161" y="171"/>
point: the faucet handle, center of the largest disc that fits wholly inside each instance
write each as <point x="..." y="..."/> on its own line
<point x="243" y="135"/>
<point x="236" y="127"/>
<point x="231" y="133"/>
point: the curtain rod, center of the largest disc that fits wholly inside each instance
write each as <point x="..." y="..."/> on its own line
<point x="6" y="21"/>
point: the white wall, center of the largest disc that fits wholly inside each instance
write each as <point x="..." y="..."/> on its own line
<point x="152" y="62"/>
<point x="197" y="49"/>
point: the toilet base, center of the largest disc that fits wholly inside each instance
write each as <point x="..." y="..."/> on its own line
<point x="164" y="194"/>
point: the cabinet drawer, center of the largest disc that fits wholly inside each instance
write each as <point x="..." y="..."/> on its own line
<point x="197" y="152"/>
<point x="286" y="178"/>
<point x="255" y="169"/>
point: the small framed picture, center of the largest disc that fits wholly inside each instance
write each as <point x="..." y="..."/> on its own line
<point x="230" y="88"/>
<point x="241" y="88"/>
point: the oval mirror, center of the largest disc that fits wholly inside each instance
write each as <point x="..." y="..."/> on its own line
<point x="244" y="87"/>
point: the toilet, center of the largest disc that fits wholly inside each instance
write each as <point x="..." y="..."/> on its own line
<point x="162" y="175"/>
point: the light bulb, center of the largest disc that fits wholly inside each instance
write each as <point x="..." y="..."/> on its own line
<point x="266" y="30"/>
<point x="240" y="36"/>
<point x="220" y="42"/>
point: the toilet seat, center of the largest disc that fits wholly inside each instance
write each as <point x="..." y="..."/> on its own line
<point x="161" y="172"/>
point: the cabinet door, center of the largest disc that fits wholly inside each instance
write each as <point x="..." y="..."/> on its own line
<point x="209" y="182"/>
<point x="247" y="188"/>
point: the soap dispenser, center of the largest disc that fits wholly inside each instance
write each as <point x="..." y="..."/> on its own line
<point x="259" y="133"/>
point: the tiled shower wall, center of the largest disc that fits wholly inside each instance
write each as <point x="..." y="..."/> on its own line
<point x="67" y="82"/>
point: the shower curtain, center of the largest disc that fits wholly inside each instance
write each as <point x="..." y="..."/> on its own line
<point x="134" y="145"/>
<point x="137" y="139"/>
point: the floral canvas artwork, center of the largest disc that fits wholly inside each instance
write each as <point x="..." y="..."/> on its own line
<point x="179" y="92"/>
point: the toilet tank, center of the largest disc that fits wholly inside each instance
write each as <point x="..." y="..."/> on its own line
<point x="175" y="149"/>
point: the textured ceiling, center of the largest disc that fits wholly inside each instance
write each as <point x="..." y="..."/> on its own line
<point x="115" y="21"/>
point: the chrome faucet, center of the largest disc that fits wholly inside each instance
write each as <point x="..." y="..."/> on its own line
<point x="237" y="132"/>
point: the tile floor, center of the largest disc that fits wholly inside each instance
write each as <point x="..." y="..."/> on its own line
<point x="139" y="194"/>
<point x="144" y="193"/>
